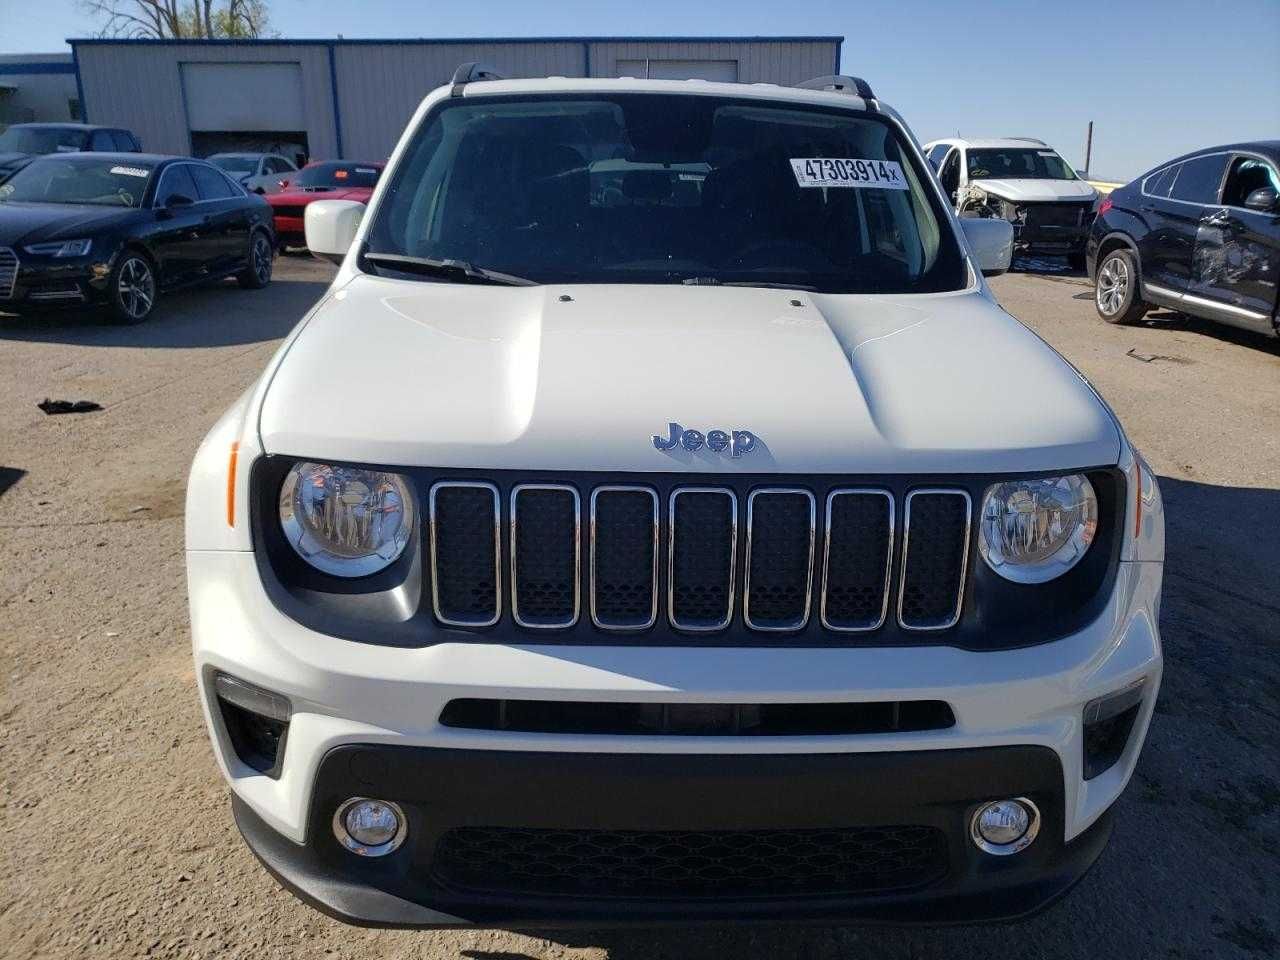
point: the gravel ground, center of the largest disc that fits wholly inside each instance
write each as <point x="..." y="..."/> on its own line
<point x="115" y="835"/>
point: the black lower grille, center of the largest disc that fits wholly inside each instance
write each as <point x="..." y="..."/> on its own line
<point x="703" y="551"/>
<point x="937" y="543"/>
<point x="698" y="719"/>
<point x="718" y="864"/>
<point x="544" y="550"/>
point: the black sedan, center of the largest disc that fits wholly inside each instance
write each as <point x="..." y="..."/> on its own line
<point x="118" y="229"/>
<point x="1199" y="235"/>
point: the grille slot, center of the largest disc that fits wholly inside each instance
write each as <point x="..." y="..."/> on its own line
<point x="546" y="544"/>
<point x="857" y="559"/>
<point x="8" y="272"/>
<point x="624" y="557"/>
<point x="690" y="863"/>
<point x="935" y="553"/>
<point x="778" y="587"/>
<point x="698" y="719"/>
<point x="702" y="558"/>
<point x="466" y="579"/>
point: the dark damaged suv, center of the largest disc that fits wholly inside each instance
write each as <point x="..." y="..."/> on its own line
<point x="1199" y="234"/>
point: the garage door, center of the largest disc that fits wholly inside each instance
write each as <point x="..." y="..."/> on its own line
<point x="243" y="96"/>
<point x="721" y="70"/>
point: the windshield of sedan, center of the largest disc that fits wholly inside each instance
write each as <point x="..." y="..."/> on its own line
<point x="1017" y="163"/>
<point x="644" y="188"/>
<point x="237" y="165"/>
<point x="39" y="140"/>
<point x="84" y="179"/>
<point x="336" y="176"/>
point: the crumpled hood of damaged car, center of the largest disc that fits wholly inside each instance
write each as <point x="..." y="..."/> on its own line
<point x="394" y="372"/>
<point x="1037" y="191"/>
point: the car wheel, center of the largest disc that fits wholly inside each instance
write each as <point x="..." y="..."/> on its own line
<point x="133" y="288"/>
<point x="1115" y="292"/>
<point x="258" y="274"/>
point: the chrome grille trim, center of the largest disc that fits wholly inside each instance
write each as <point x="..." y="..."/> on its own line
<point x="746" y="576"/>
<point x="497" y="552"/>
<point x="653" y="613"/>
<point x="671" y="558"/>
<point x="888" y="558"/>
<point x="964" y="559"/>
<point x="8" y="272"/>
<point x="577" y="556"/>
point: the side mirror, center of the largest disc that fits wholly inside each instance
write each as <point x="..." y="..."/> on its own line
<point x="991" y="243"/>
<point x="1264" y="200"/>
<point x="282" y="184"/>
<point x="331" y="227"/>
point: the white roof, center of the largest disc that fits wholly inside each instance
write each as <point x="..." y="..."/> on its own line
<point x="993" y="142"/>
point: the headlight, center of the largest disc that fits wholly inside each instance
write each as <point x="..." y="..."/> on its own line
<point x="62" y="248"/>
<point x="346" y="521"/>
<point x="1035" y="530"/>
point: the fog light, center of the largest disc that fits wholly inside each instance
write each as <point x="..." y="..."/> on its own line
<point x="1002" y="827"/>
<point x="370" y="828"/>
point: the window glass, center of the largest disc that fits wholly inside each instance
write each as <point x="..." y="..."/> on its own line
<point x="80" y="179"/>
<point x="337" y="176"/>
<point x="1198" y="179"/>
<point x="950" y="175"/>
<point x="278" y="165"/>
<point x="1247" y="175"/>
<point x="236" y="164"/>
<point x="20" y="139"/>
<point x="1017" y="163"/>
<point x="176" y="180"/>
<point x="937" y="153"/>
<point x="1158" y="184"/>
<point x="101" y="141"/>
<point x="211" y="184"/>
<point x="123" y="141"/>
<point x="650" y="188"/>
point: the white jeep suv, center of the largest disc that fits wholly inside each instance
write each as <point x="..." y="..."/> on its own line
<point x="658" y="519"/>
<point x="1021" y="180"/>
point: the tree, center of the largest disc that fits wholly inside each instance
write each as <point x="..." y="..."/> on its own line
<point x="180" y="19"/>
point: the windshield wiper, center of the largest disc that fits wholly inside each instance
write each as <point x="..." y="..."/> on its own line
<point x="770" y="284"/>
<point x="460" y="269"/>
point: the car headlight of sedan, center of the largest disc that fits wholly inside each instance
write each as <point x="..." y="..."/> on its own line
<point x="62" y="248"/>
<point x="346" y="521"/>
<point x="1035" y="530"/>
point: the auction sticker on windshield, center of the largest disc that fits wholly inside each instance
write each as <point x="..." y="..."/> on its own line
<point x="825" y="172"/>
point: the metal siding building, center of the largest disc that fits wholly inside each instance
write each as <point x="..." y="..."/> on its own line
<point x="352" y="98"/>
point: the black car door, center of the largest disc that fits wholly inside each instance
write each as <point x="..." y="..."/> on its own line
<point x="178" y="236"/>
<point x="1237" y="256"/>
<point x="226" y="219"/>
<point x="949" y="175"/>
<point x="1174" y="220"/>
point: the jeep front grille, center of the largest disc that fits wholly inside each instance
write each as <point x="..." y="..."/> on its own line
<point x="8" y="272"/>
<point x="677" y="557"/>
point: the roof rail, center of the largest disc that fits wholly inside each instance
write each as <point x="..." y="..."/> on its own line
<point x="471" y="72"/>
<point x="840" y="84"/>
<point x="1030" y="140"/>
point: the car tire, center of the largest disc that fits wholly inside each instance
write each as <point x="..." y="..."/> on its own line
<point x="1115" y="288"/>
<point x="133" y="288"/>
<point x="261" y="256"/>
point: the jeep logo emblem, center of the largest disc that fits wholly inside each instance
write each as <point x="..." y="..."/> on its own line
<point x="738" y="443"/>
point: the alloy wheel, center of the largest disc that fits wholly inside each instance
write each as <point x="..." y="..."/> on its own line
<point x="1113" y="286"/>
<point x="261" y="258"/>
<point x="136" y="287"/>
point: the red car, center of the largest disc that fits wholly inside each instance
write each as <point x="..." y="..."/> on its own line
<point x="325" y="180"/>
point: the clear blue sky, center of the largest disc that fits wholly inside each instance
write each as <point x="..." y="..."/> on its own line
<point x="1158" y="77"/>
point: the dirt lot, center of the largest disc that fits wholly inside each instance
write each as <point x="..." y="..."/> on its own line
<point x="115" y="834"/>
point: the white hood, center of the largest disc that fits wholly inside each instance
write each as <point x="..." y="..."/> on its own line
<point x="1031" y="191"/>
<point x="413" y="373"/>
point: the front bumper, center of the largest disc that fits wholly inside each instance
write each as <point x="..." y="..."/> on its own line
<point x="670" y="796"/>
<point x="1018" y="730"/>
<point x="49" y="282"/>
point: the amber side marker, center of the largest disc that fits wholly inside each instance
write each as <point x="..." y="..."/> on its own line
<point x="231" y="483"/>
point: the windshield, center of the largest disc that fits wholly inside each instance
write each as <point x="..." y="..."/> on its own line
<point x="336" y="176"/>
<point x="41" y="139"/>
<point x="87" y="179"/>
<point x="1018" y="163"/>
<point x="235" y="165"/>
<point x="641" y="188"/>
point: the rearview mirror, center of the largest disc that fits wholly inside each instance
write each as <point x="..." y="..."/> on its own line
<point x="1263" y="199"/>
<point x="991" y="243"/>
<point x="331" y="227"/>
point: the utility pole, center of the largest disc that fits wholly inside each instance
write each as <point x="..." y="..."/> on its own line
<point x="1088" y="150"/>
